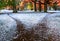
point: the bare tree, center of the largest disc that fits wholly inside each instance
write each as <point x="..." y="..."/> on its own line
<point x="34" y="4"/>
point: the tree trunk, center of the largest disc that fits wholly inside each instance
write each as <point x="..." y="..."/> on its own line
<point x="14" y="7"/>
<point x="55" y="6"/>
<point x="35" y="5"/>
<point x="45" y="5"/>
<point x="39" y="6"/>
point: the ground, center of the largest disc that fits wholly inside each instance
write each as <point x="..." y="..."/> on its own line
<point x="8" y="23"/>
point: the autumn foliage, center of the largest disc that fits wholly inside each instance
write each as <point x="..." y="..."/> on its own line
<point x="37" y="6"/>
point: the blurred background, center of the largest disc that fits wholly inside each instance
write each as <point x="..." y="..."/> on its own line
<point x="37" y="5"/>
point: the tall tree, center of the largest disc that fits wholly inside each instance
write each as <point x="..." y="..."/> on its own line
<point x="34" y="4"/>
<point x="55" y="5"/>
<point x="50" y="4"/>
<point x="45" y="5"/>
<point x="39" y="5"/>
<point x="14" y="6"/>
<point x="2" y="5"/>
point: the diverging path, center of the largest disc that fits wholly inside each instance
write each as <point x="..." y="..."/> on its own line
<point x="30" y="27"/>
<point x="9" y="24"/>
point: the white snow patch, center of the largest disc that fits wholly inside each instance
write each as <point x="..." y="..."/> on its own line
<point x="27" y="11"/>
<point x="29" y="19"/>
<point x="53" y="22"/>
<point x="5" y="11"/>
<point x="53" y="11"/>
<point x="7" y="28"/>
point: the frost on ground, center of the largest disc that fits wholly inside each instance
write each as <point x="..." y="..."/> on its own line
<point x="40" y="27"/>
<point x="32" y="27"/>
<point x="56" y="11"/>
<point x="29" y="19"/>
<point x="53" y="22"/>
<point x="7" y="28"/>
<point x="35" y="28"/>
<point x="5" y="11"/>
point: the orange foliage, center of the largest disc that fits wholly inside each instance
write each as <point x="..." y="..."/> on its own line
<point x="37" y="6"/>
